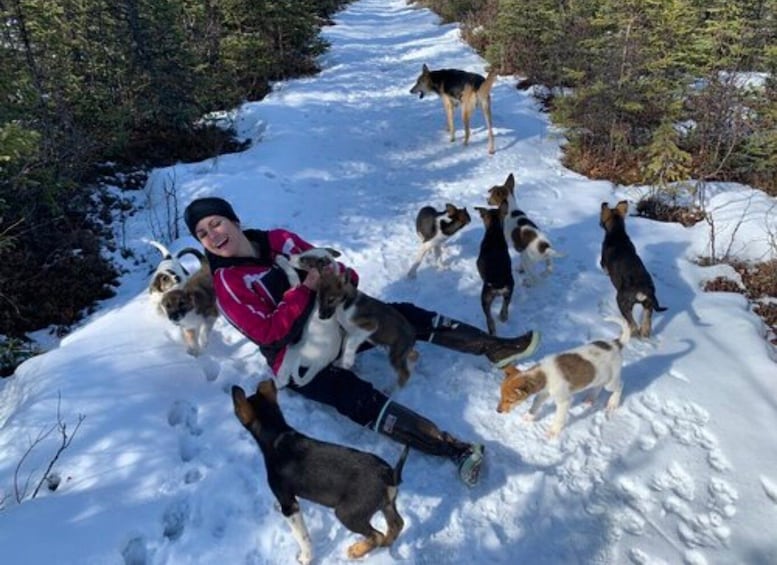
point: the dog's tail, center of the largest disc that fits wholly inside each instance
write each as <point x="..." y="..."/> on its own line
<point x="162" y="249"/>
<point x="400" y="464"/>
<point x="485" y="88"/>
<point x="192" y="251"/>
<point x="625" y="336"/>
<point x="650" y="301"/>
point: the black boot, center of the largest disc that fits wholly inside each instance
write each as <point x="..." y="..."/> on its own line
<point x="501" y="351"/>
<point x="407" y="427"/>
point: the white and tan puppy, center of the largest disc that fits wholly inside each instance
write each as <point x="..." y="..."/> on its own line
<point x="192" y="307"/>
<point x="593" y="366"/>
<point x="521" y="232"/>
<point x="321" y="339"/>
<point x="170" y="273"/>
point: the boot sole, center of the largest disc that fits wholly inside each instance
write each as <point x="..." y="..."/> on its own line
<point x="528" y="352"/>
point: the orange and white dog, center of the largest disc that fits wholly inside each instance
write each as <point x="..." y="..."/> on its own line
<point x="593" y="366"/>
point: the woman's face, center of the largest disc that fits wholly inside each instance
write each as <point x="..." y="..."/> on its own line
<point x="221" y="236"/>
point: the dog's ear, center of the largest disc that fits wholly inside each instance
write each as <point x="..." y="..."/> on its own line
<point x="451" y="209"/>
<point x="243" y="409"/>
<point x="622" y="208"/>
<point x="510" y="182"/>
<point x="605" y="214"/>
<point x="332" y="252"/>
<point x="267" y="389"/>
<point x="425" y="69"/>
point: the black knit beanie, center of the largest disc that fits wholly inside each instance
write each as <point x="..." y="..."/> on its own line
<point x="204" y="207"/>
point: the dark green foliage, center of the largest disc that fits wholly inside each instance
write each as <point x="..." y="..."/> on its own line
<point x="636" y="70"/>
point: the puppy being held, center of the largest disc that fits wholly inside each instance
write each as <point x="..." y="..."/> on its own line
<point x="591" y="367"/>
<point x="494" y="267"/>
<point x="532" y="244"/>
<point x="455" y="87"/>
<point x="633" y="284"/>
<point x="365" y="318"/>
<point x="193" y="308"/>
<point x="321" y="340"/>
<point x="435" y="228"/>
<point x="354" y="483"/>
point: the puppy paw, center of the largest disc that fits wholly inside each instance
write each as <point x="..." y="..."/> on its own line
<point x="305" y="557"/>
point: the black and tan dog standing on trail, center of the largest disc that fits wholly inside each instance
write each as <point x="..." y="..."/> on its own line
<point x="494" y="267"/>
<point x="456" y="87"/>
<point x="633" y="284"/>
<point x="354" y="483"/>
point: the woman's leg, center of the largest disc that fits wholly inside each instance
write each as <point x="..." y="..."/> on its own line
<point x="359" y="401"/>
<point x="453" y="334"/>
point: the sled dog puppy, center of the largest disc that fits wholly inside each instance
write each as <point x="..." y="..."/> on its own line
<point x="494" y="267"/>
<point x="192" y="307"/>
<point x="455" y="87"/>
<point x="354" y="483"/>
<point x="532" y="244"/>
<point x="321" y="339"/>
<point x="434" y="228"/>
<point x="365" y="318"/>
<point x="633" y="284"/>
<point x="592" y="366"/>
<point x="170" y="272"/>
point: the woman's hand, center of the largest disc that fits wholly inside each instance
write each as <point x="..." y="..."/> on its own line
<point x="312" y="279"/>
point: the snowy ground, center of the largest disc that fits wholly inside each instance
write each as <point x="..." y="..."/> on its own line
<point x="160" y="471"/>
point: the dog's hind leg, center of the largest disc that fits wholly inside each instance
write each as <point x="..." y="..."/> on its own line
<point x="467" y="108"/>
<point x="356" y="521"/>
<point x="647" y="321"/>
<point x="626" y="307"/>
<point x="301" y="535"/>
<point x="504" y="312"/>
<point x="486" y="299"/>
<point x="447" y="103"/>
<point x="485" y="104"/>
<point x="394" y="521"/>
<point x="425" y="247"/>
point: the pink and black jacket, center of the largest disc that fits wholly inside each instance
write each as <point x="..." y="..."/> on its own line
<point x="255" y="296"/>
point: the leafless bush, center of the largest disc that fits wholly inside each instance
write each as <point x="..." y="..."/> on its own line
<point x="21" y="489"/>
<point x="163" y="214"/>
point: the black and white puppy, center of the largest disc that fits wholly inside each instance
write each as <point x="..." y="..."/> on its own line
<point x="532" y="244"/>
<point x="170" y="273"/>
<point x="321" y="339"/>
<point x="494" y="267"/>
<point x="434" y="228"/>
<point x="632" y="281"/>
<point x="365" y="318"/>
<point x="192" y="307"/>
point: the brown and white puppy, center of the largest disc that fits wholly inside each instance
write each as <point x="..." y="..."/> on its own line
<point x="633" y="284"/>
<point x="193" y="308"/>
<point x="494" y="267"/>
<point x="435" y="228"/>
<point x="592" y="366"/>
<point x="170" y="273"/>
<point x="532" y="244"/>
<point x="365" y="318"/>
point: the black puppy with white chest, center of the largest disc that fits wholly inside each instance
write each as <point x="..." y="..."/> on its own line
<point x="633" y="284"/>
<point x="355" y="483"/>
<point x="494" y="267"/>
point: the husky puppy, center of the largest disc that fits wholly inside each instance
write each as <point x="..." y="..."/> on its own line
<point x="321" y="339"/>
<point x="434" y="228"/>
<point x="632" y="281"/>
<point x="365" y="318"/>
<point x="525" y="236"/>
<point x="192" y="307"/>
<point x="592" y="367"/>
